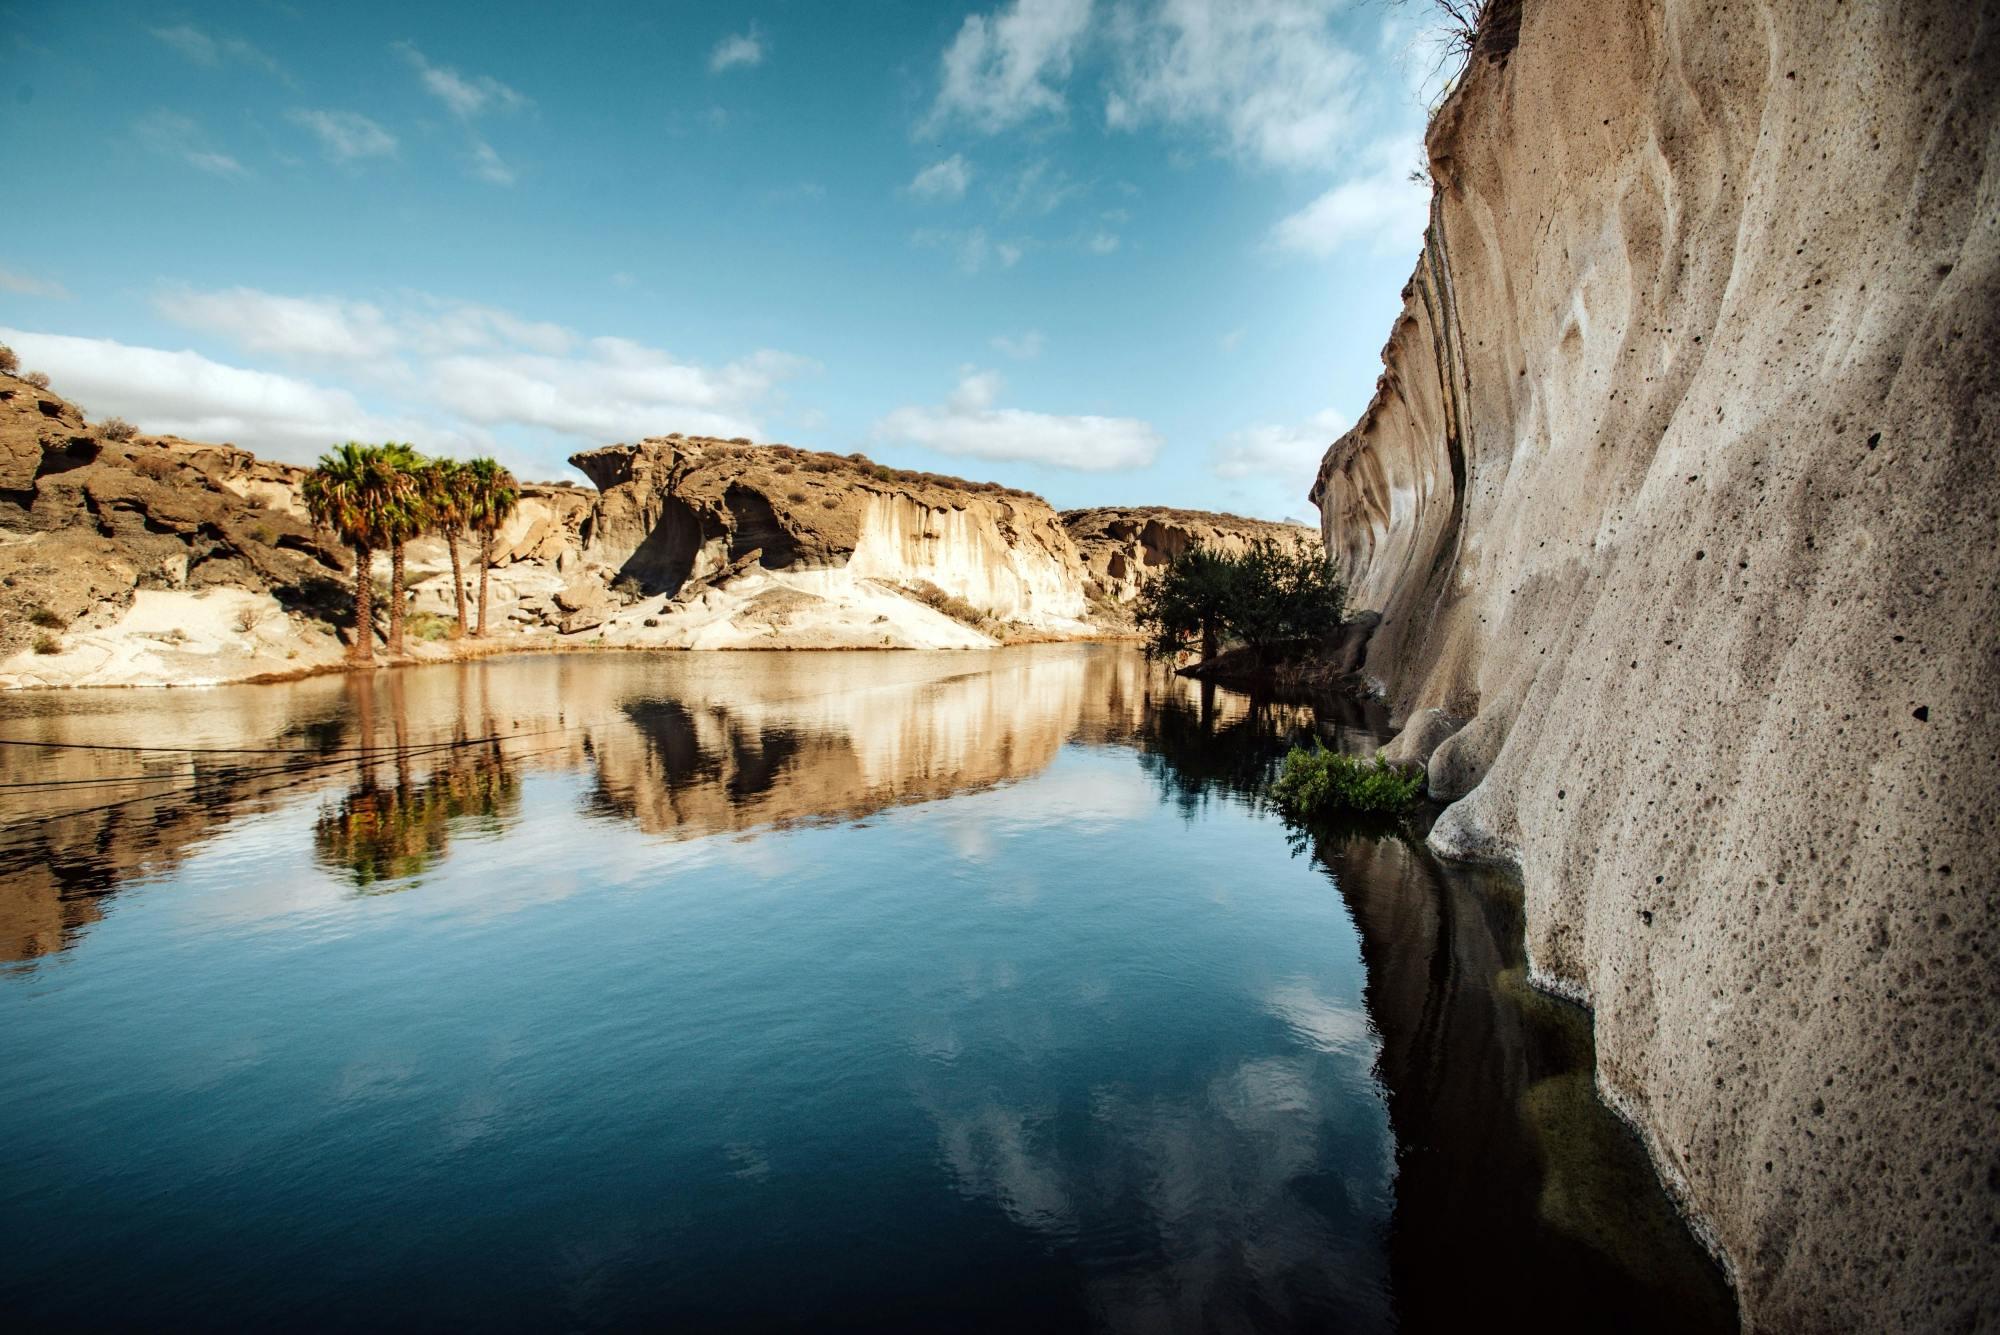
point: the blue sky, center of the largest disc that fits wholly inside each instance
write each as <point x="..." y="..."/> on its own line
<point x="1116" y="251"/>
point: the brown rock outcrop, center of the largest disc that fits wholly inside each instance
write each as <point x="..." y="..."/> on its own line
<point x="1678" y="483"/>
<point x="675" y="510"/>
<point x="86" y="522"/>
<point x="1123" y="546"/>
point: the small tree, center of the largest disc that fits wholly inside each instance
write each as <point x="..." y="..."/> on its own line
<point x="448" y="489"/>
<point x="347" y="492"/>
<point x="9" y="363"/>
<point x="116" y="428"/>
<point x="492" y="495"/>
<point x="1189" y="602"/>
<point x="405" y="515"/>
<point x="1268" y="596"/>
<point x="39" y="379"/>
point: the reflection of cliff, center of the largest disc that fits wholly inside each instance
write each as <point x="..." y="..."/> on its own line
<point x="1508" y="1163"/>
<point x="755" y="758"/>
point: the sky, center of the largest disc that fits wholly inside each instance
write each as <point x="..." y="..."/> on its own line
<point x="1113" y="251"/>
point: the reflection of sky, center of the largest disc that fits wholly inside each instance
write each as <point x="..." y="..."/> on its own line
<point x="1046" y="1019"/>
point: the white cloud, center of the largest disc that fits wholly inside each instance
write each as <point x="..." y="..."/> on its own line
<point x="1025" y="348"/>
<point x="304" y="328"/>
<point x="466" y="97"/>
<point x="942" y="181"/>
<point x="1037" y="190"/>
<point x="346" y="135"/>
<point x="1232" y="340"/>
<point x="1285" y="452"/>
<point x="969" y="424"/>
<point x="176" y="136"/>
<point x="744" y="50"/>
<point x="1103" y="243"/>
<point x="971" y="247"/>
<point x="1269" y="79"/>
<point x="488" y="166"/>
<point x="203" y="49"/>
<point x="1384" y="209"/>
<point x="440" y="372"/>
<point x="27" y="285"/>
<point x="1005" y="68"/>
<point x="186" y="394"/>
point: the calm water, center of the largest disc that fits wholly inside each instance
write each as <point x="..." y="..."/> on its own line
<point x="765" y="990"/>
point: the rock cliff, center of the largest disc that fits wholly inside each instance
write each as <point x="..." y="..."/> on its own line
<point x="138" y="560"/>
<point x="1124" y="546"/>
<point x="1677" y="486"/>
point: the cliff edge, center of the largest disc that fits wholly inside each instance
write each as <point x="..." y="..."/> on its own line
<point x="1678" y="486"/>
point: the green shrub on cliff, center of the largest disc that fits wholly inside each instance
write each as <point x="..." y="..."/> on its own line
<point x="1319" y="782"/>
<point x="1268" y="597"/>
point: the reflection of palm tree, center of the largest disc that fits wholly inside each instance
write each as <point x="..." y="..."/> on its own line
<point x="380" y="834"/>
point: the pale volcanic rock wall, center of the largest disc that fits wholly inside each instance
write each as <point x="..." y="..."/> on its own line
<point x="1679" y="484"/>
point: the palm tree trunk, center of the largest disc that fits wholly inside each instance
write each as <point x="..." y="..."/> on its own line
<point x="1208" y="637"/>
<point x="363" y="648"/>
<point x="396" y="598"/>
<point x="485" y="564"/>
<point x="457" y="581"/>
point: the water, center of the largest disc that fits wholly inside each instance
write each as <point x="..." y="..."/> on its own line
<point x="750" y="991"/>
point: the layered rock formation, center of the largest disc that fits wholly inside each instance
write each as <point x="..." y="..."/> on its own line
<point x="1677" y="485"/>
<point x="1123" y="547"/>
<point x="150" y="559"/>
<point x="153" y="561"/>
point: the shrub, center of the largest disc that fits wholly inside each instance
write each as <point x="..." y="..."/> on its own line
<point x="831" y="503"/>
<point x="787" y="469"/>
<point x="950" y="604"/>
<point x="1267" y="597"/>
<point x="9" y="363"/>
<point x="39" y="379"/>
<point x="249" y="617"/>
<point x="429" y="625"/>
<point x="1320" y="782"/>
<point x="47" y="644"/>
<point x="117" y="428"/>
<point x="795" y="496"/>
<point x="629" y="588"/>
<point x="263" y="533"/>
<point x="739" y="440"/>
<point x="47" y="620"/>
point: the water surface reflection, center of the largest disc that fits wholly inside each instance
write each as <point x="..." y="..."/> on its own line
<point x="753" y="990"/>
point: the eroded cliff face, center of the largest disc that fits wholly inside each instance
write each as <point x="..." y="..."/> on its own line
<point x="1124" y="547"/>
<point x="676" y="511"/>
<point x="1677" y="485"/>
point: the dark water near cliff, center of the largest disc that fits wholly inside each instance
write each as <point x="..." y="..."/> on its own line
<point x="750" y="991"/>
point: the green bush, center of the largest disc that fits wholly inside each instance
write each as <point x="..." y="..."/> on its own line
<point x="429" y="625"/>
<point x="47" y="620"/>
<point x="1320" y="782"/>
<point x="47" y="644"/>
<point x="1268" y="596"/>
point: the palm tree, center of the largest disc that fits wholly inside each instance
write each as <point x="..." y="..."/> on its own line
<point x="347" y="492"/>
<point x="493" y="494"/>
<point x="405" y="514"/>
<point x="449" y="491"/>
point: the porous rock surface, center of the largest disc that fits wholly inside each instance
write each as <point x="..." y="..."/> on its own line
<point x="1679" y="483"/>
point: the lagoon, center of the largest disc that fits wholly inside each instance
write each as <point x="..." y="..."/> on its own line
<point x="753" y="991"/>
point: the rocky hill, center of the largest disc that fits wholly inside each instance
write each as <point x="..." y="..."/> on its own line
<point x="1676" y="501"/>
<point x="1124" y="546"/>
<point x="152" y="560"/>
